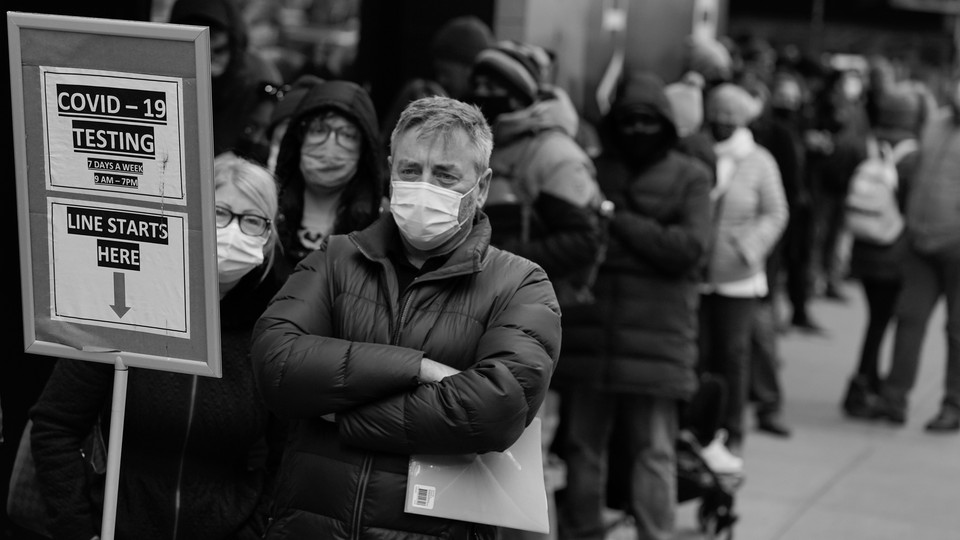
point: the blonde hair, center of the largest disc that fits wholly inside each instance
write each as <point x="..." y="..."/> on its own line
<point x="258" y="184"/>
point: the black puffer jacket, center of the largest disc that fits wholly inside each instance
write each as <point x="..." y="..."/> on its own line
<point x="340" y="338"/>
<point x="640" y="336"/>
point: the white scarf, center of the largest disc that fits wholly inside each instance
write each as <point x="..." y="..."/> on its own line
<point x="729" y="152"/>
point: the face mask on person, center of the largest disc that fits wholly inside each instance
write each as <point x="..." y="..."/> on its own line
<point x="327" y="164"/>
<point x="428" y="215"/>
<point x="721" y="131"/>
<point x="237" y="252"/>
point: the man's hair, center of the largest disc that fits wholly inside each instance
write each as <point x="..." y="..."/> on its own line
<point x="437" y="115"/>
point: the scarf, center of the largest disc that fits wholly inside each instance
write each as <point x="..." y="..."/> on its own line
<point x="729" y="152"/>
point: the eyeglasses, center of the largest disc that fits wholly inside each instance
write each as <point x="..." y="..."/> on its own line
<point x="274" y="91"/>
<point x="250" y="224"/>
<point x="347" y="136"/>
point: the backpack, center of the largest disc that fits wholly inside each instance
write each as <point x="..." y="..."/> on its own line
<point x="872" y="209"/>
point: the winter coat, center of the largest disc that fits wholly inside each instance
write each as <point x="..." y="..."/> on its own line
<point x="750" y="215"/>
<point x="640" y="336"/>
<point x="341" y="339"/>
<point x="361" y="199"/>
<point x="537" y="162"/>
<point x="203" y="440"/>
<point x="933" y="208"/>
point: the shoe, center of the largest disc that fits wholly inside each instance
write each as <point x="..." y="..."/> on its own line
<point x="892" y="413"/>
<point x="808" y="327"/>
<point x="719" y="458"/>
<point x="860" y="401"/>
<point x="771" y="423"/>
<point x="832" y="292"/>
<point x="946" y="421"/>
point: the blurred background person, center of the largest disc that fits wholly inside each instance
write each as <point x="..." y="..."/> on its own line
<point x="330" y="167"/>
<point x="628" y="360"/>
<point x="283" y="112"/>
<point x="199" y="453"/>
<point x="749" y="215"/>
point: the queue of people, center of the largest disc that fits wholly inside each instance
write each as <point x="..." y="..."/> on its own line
<point x="400" y="286"/>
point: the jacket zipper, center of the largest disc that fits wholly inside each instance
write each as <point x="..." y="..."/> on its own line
<point x="367" y="459"/>
<point x="183" y="457"/>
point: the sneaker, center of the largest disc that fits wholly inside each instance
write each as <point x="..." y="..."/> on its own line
<point x="719" y="458"/>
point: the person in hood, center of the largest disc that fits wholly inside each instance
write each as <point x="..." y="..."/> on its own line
<point x="330" y="168"/>
<point x="245" y="86"/>
<point x="750" y="214"/>
<point x="412" y="336"/>
<point x="199" y="453"/>
<point x="628" y="360"/>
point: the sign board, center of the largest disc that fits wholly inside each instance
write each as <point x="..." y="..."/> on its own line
<point x="115" y="192"/>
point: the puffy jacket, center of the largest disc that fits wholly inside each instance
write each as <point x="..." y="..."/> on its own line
<point x="537" y="162"/>
<point x="340" y="338"/>
<point x="640" y="336"/>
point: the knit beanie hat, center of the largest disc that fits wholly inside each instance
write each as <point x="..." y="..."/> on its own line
<point x="461" y="39"/>
<point x="709" y="58"/>
<point x="513" y="66"/>
<point x="735" y="98"/>
<point x="286" y="106"/>
<point x="898" y="112"/>
<point x="686" y="102"/>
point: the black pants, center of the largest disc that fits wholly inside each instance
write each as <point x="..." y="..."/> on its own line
<point x="881" y="298"/>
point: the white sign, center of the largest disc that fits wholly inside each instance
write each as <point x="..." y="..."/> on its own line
<point x="115" y="132"/>
<point x="119" y="267"/>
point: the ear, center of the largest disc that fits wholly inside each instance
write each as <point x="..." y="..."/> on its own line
<point x="483" y="187"/>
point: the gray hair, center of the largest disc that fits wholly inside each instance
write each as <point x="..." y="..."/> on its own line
<point x="437" y="115"/>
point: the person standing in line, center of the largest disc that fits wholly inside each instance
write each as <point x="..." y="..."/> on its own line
<point x="330" y="168"/>
<point x="412" y="336"/>
<point x="750" y="213"/>
<point x="199" y="453"/>
<point x="896" y="118"/>
<point x="931" y="271"/>
<point x="629" y="359"/>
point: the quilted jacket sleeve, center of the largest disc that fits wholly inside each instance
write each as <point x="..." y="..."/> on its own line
<point x="301" y="372"/>
<point x="485" y="407"/>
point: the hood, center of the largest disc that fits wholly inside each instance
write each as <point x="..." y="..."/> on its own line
<point x="641" y="90"/>
<point x="554" y="110"/>
<point x="352" y="101"/>
<point x="215" y="14"/>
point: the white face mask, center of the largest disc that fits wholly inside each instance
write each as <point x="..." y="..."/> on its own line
<point x="237" y="253"/>
<point x="427" y="215"/>
<point x="327" y="164"/>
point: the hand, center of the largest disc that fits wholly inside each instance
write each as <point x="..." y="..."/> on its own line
<point x="432" y="371"/>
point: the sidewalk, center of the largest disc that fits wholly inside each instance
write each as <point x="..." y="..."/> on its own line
<point x="837" y="479"/>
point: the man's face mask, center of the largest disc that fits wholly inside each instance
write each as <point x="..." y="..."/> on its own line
<point x="721" y="131"/>
<point x="429" y="215"/>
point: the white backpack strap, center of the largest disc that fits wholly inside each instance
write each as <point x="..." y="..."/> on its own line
<point x="903" y="149"/>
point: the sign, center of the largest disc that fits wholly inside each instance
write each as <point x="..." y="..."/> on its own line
<point x="113" y="132"/>
<point x="115" y="193"/>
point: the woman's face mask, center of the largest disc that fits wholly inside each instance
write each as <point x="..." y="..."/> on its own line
<point x="237" y="252"/>
<point x="330" y="152"/>
<point x="429" y="215"/>
<point x="721" y="131"/>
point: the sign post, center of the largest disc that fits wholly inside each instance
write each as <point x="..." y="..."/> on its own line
<point x="115" y="197"/>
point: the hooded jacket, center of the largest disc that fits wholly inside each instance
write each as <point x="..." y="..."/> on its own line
<point x="237" y="91"/>
<point x="341" y="338"/>
<point x="640" y="336"/>
<point x="361" y="199"/>
<point x="537" y="162"/>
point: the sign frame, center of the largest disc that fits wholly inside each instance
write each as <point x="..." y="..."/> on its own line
<point x="196" y="351"/>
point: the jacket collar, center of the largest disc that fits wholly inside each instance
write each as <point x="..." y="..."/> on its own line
<point x="376" y="241"/>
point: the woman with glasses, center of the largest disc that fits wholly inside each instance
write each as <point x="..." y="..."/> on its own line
<point x="199" y="453"/>
<point x="330" y="168"/>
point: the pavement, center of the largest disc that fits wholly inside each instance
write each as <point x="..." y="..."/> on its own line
<point x="841" y="479"/>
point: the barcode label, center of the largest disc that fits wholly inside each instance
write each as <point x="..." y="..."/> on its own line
<point x="424" y="496"/>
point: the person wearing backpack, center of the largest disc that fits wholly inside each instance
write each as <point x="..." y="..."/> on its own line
<point x="628" y="361"/>
<point x="931" y="271"/>
<point x="877" y="257"/>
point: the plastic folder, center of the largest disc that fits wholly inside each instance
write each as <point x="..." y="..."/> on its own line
<point x="505" y="489"/>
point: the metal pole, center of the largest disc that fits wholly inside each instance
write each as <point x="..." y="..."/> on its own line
<point x="118" y="409"/>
